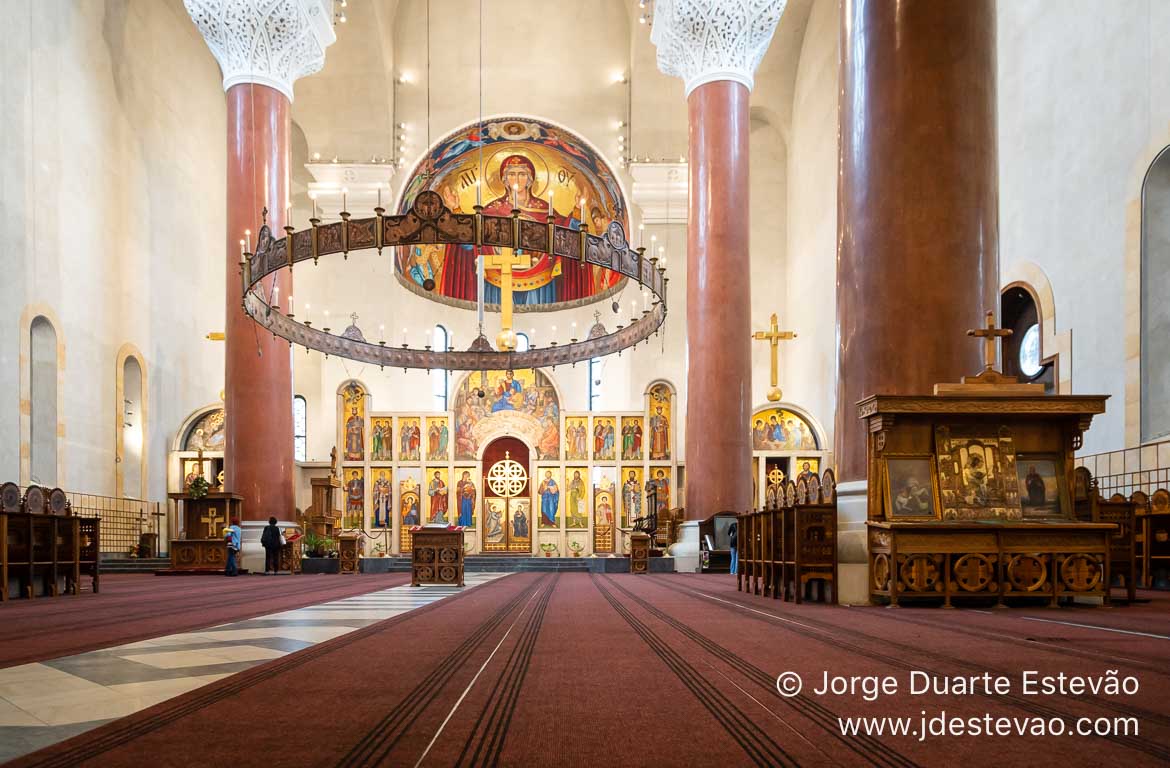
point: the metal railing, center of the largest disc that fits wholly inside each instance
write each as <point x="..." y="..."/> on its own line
<point x="1123" y="472"/>
<point x="123" y="520"/>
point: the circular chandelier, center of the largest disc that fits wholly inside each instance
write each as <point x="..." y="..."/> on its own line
<point x="430" y="222"/>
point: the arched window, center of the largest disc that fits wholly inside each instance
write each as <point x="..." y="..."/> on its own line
<point x="300" y="429"/>
<point x="439" y="376"/>
<point x="594" y="382"/>
<point x="1021" y="351"/>
<point x="43" y="402"/>
<point x="1155" y="310"/>
<point x="522" y="342"/>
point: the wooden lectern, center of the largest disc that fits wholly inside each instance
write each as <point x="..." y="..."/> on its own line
<point x="437" y="557"/>
<point x="639" y="553"/>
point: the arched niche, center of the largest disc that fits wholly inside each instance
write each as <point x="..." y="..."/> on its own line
<point x="42" y="390"/>
<point x="787" y="443"/>
<point x="1155" y="310"/>
<point x="131" y="414"/>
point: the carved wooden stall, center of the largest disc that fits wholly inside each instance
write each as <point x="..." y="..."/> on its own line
<point x="43" y="545"/>
<point x="1127" y="542"/>
<point x="969" y="495"/>
<point x="786" y="547"/>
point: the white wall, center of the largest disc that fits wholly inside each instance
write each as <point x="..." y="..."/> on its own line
<point x="111" y="210"/>
<point x="809" y="362"/>
<point x="1084" y="105"/>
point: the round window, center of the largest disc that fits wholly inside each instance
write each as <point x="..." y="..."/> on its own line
<point x="1030" y="352"/>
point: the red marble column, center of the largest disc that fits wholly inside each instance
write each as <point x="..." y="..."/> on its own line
<point x="258" y="373"/>
<point x="917" y="201"/>
<point x="718" y="449"/>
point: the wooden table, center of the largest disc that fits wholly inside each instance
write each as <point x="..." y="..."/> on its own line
<point x="437" y="557"/>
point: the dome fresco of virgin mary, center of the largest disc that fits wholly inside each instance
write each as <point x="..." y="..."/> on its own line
<point x="546" y="172"/>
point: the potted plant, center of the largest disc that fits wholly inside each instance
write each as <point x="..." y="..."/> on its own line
<point x="577" y="548"/>
<point x="198" y="487"/>
<point x="548" y="549"/>
<point x="379" y="550"/>
<point x="320" y="554"/>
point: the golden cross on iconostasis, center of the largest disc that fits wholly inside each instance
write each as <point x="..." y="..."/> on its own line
<point x="505" y="262"/>
<point x="211" y="519"/>
<point x="989" y="333"/>
<point x="774" y="336"/>
<point x="775" y="475"/>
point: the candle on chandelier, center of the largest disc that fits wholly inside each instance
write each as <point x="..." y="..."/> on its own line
<point x="404" y="337"/>
<point x="306" y="312"/>
<point x="478" y="193"/>
<point x="515" y="196"/>
<point x="313" y="197"/>
<point x="248" y="235"/>
<point x="381" y="332"/>
<point x="641" y="235"/>
<point x="243" y="250"/>
<point x="582" y="210"/>
<point x="379" y="195"/>
<point x="344" y="193"/>
<point x="645" y="300"/>
<point x="634" y="308"/>
<point x="290" y="304"/>
<point x="551" y="211"/>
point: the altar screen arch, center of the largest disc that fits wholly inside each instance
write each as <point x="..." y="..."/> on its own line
<point x="507" y="496"/>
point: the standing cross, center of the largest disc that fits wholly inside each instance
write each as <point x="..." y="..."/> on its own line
<point x="774" y="336"/>
<point x="211" y="519"/>
<point x="505" y="262"/>
<point x="989" y="333"/>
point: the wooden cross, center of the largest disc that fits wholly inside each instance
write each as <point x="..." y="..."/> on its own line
<point x="211" y="519"/>
<point x="774" y="336"/>
<point x="505" y="261"/>
<point x="199" y="462"/>
<point x="989" y="333"/>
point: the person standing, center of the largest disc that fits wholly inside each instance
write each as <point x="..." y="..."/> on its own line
<point x="272" y="540"/>
<point x="231" y="536"/>
<point x="733" y="535"/>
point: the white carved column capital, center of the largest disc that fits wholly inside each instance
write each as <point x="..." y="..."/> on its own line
<point x="702" y="41"/>
<point x="270" y="42"/>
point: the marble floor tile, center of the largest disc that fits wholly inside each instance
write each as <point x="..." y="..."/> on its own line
<point x="10" y="714"/>
<point x="44" y="703"/>
<point x="205" y="657"/>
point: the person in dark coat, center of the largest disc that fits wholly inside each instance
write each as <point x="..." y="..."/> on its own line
<point x="733" y="535"/>
<point x="272" y="541"/>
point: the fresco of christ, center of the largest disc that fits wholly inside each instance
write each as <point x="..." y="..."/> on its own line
<point x="548" y="280"/>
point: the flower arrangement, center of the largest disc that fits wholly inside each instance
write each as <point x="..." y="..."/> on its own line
<point x="576" y="548"/>
<point x="416" y="528"/>
<point x="198" y="487"/>
<point x="549" y="548"/>
<point x="379" y="550"/>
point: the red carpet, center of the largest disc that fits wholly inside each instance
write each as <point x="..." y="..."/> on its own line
<point x="581" y="670"/>
<point x="134" y="607"/>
